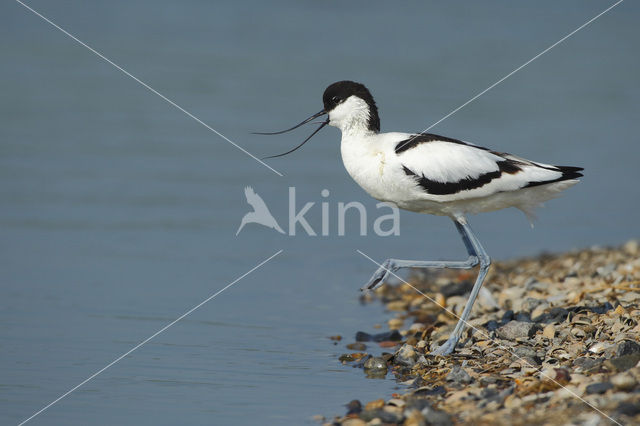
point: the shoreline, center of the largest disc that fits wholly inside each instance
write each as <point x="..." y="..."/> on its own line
<point x="554" y="340"/>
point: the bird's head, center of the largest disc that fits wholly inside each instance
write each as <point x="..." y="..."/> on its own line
<point x="348" y="106"/>
<point x="351" y="106"/>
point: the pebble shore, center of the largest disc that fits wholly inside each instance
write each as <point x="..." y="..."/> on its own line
<point x="554" y="340"/>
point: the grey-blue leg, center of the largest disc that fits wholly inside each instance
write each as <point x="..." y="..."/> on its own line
<point x="392" y="265"/>
<point x="485" y="261"/>
<point x="477" y="255"/>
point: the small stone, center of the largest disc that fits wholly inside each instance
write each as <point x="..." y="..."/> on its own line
<point x="533" y="284"/>
<point x="628" y="409"/>
<point x="406" y="355"/>
<point x="598" y="348"/>
<point x="492" y="406"/>
<point x="587" y="364"/>
<point x="375" y="365"/>
<point x="417" y="327"/>
<point x="549" y="331"/>
<point x="578" y="333"/>
<point x="488" y="380"/>
<point x="397" y="305"/>
<point x="507" y="316"/>
<point x="511" y="297"/>
<point x="357" y="346"/>
<point x="524" y="352"/>
<point x="623" y="363"/>
<point x="539" y="310"/>
<point x="415" y="418"/>
<point x="531" y="303"/>
<point x="353" y="421"/>
<point x="386" y="356"/>
<point x="492" y="325"/>
<point x="395" y="323"/>
<point x="380" y="415"/>
<point x="415" y="402"/>
<point x="604" y="271"/>
<point x="337" y="338"/>
<point x="436" y="417"/>
<point x="459" y="375"/>
<point x="627" y="348"/>
<point x="397" y="402"/>
<point x="631" y="247"/>
<point x="393" y="336"/>
<point x="390" y="416"/>
<point x="374" y="405"/>
<point x="426" y="391"/>
<point x="554" y="316"/>
<point x="371" y="416"/>
<point x="517" y="329"/>
<point x="562" y="375"/>
<point x="512" y="401"/>
<point x="489" y="392"/>
<point x="599" y="388"/>
<point x="624" y="382"/>
<point x="457" y="397"/>
<point x="456" y="289"/>
<point x="361" y="336"/>
<point x="396" y="411"/>
<point x="600" y="309"/>
<point x="354" y="407"/>
<point x="344" y="358"/>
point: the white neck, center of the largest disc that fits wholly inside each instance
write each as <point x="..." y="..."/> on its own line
<point x="351" y="117"/>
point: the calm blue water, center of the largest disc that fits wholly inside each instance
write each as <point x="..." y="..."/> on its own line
<point x="118" y="213"/>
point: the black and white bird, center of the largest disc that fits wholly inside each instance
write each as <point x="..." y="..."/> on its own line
<point x="433" y="174"/>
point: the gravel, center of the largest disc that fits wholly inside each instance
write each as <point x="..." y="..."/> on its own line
<point x="565" y="328"/>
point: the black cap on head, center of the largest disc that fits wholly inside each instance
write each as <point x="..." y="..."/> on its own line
<point x="334" y="95"/>
<point x="341" y="90"/>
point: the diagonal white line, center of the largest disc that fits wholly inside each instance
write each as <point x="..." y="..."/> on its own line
<point x="489" y="337"/>
<point x="150" y="337"/>
<point x="151" y="89"/>
<point x="515" y="70"/>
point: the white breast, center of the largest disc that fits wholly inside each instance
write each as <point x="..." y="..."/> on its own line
<point x="365" y="164"/>
<point x="372" y="163"/>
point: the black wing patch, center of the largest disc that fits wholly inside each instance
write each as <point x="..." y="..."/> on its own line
<point x="448" y="188"/>
<point x="508" y="165"/>
<point x="568" y="172"/>
<point x="421" y="138"/>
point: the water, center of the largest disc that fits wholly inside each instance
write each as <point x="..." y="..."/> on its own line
<point x="118" y="212"/>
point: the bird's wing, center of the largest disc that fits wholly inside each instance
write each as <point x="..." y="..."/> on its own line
<point x="254" y="199"/>
<point x="448" y="167"/>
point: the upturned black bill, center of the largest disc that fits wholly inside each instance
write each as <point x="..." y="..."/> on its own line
<point x="313" y="117"/>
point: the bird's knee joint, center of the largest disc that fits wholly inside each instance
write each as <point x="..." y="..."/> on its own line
<point x="485" y="261"/>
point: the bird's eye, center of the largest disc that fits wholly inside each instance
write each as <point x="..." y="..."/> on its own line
<point x="335" y="99"/>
